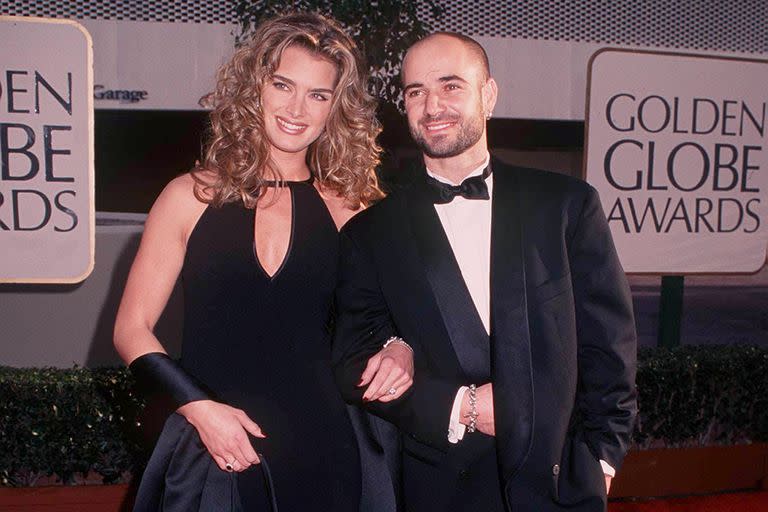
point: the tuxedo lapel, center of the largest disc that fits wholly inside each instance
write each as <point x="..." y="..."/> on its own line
<point x="462" y="322"/>
<point x="510" y="336"/>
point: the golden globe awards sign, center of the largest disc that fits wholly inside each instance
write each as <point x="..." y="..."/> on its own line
<point x="677" y="148"/>
<point x="46" y="151"/>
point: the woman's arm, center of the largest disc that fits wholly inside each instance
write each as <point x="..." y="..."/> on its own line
<point x="151" y="279"/>
<point x="388" y="373"/>
<point x="155" y="269"/>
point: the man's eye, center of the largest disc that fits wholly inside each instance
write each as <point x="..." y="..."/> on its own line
<point x="452" y="87"/>
<point x="413" y="93"/>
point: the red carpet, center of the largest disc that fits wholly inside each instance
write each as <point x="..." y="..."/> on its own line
<point x="732" y="502"/>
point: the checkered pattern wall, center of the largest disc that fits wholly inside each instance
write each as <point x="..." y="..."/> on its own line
<point x="724" y="25"/>
<point x="186" y="11"/>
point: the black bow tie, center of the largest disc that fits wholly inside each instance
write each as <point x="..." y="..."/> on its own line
<point x="471" y="188"/>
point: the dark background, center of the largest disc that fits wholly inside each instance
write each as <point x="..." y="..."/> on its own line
<point x="138" y="151"/>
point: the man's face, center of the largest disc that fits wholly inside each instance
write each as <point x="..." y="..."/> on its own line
<point x="446" y="99"/>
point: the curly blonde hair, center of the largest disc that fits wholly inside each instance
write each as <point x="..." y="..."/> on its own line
<point x="344" y="157"/>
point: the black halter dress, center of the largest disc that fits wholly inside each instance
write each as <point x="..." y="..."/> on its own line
<point x="262" y="343"/>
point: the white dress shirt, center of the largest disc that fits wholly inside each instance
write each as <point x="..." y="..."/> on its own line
<point x="467" y="225"/>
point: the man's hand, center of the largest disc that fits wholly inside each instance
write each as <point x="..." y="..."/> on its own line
<point x="485" y="423"/>
<point x="390" y="369"/>
<point x="608" y="483"/>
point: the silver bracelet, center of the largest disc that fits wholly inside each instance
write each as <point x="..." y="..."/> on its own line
<point x="472" y="414"/>
<point x="399" y="341"/>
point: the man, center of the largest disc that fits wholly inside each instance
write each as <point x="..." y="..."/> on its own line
<point x="509" y="291"/>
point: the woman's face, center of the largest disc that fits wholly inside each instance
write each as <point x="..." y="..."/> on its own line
<point x="296" y="100"/>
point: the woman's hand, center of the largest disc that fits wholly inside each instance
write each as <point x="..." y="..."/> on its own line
<point x="390" y="369"/>
<point x="223" y="431"/>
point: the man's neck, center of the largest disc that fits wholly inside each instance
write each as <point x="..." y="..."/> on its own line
<point x="458" y="167"/>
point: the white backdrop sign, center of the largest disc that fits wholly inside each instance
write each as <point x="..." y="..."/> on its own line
<point x="46" y="151"/>
<point x="676" y="147"/>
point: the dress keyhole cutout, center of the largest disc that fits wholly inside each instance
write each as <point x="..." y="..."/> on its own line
<point x="273" y="230"/>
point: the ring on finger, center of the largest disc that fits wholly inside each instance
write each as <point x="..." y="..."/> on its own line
<point x="230" y="466"/>
<point x="392" y="391"/>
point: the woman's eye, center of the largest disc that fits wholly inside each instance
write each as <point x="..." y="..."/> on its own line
<point x="280" y="85"/>
<point x="320" y="97"/>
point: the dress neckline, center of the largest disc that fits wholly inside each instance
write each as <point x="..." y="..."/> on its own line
<point x="284" y="183"/>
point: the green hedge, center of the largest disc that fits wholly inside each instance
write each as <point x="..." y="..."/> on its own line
<point x="69" y="423"/>
<point x="702" y="395"/>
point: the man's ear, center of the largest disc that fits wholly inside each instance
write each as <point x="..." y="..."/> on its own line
<point x="490" y="93"/>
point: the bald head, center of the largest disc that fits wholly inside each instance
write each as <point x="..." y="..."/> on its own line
<point x="475" y="49"/>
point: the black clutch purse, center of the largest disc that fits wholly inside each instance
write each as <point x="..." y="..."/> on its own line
<point x="181" y="476"/>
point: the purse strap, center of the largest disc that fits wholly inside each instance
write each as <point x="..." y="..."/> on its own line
<point x="269" y="484"/>
<point x="269" y="487"/>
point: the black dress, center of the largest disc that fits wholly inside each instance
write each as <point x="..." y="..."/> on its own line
<point x="262" y="343"/>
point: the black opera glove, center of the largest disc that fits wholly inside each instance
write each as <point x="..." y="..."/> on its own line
<point x="156" y="371"/>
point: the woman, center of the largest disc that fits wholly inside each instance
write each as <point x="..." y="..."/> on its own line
<point x="253" y="233"/>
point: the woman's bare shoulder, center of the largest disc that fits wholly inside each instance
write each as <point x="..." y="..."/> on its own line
<point x="338" y="207"/>
<point x="190" y="185"/>
<point x="190" y="190"/>
<point x="178" y="205"/>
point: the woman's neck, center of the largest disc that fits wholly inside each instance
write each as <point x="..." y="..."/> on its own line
<point x="291" y="166"/>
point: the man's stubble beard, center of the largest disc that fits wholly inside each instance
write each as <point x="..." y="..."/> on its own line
<point x="470" y="131"/>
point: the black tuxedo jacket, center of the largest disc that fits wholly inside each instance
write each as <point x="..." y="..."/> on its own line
<point x="562" y="347"/>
